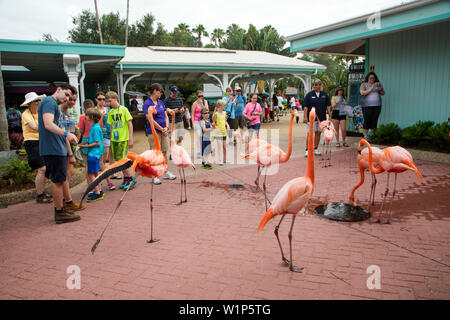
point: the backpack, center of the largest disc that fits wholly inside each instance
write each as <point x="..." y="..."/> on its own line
<point x="14" y="121"/>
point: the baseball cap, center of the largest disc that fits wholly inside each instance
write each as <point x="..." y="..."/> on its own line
<point x="174" y="89"/>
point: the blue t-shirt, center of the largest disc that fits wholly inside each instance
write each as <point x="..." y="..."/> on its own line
<point x="106" y="127"/>
<point x="240" y="105"/>
<point x="96" y="135"/>
<point x="231" y="107"/>
<point x="51" y="144"/>
<point x="159" y="117"/>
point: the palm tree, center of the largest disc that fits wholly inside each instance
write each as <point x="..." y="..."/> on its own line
<point x="98" y="22"/>
<point x="217" y="36"/>
<point x="183" y="27"/>
<point x="200" y="31"/>
<point x="126" y="25"/>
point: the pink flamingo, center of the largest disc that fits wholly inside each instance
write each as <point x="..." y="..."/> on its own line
<point x="393" y="160"/>
<point x="328" y="134"/>
<point x="150" y="164"/>
<point x="293" y="196"/>
<point x="181" y="159"/>
<point x="363" y="164"/>
<point x="266" y="155"/>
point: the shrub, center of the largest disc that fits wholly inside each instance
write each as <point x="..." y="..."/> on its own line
<point x="439" y="135"/>
<point x="417" y="135"/>
<point x="389" y="133"/>
<point x="17" y="172"/>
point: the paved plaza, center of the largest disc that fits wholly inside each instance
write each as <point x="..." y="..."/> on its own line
<point x="209" y="247"/>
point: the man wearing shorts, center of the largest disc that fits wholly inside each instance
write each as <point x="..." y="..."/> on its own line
<point x="321" y="102"/>
<point x="120" y="120"/>
<point x="175" y="103"/>
<point x="53" y="148"/>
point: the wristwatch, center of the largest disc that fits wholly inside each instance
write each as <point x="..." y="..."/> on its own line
<point x="70" y="155"/>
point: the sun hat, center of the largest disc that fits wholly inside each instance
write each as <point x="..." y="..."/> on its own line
<point x="30" y="97"/>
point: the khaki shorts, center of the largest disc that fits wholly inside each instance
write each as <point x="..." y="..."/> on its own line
<point x="163" y="141"/>
<point x="316" y="127"/>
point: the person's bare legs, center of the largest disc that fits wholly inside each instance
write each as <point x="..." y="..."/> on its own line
<point x="57" y="193"/>
<point x="40" y="179"/>
<point x="342" y="124"/>
<point x="336" y="126"/>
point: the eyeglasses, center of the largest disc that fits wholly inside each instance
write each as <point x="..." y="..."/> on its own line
<point x="316" y="85"/>
<point x="199" y="96"/>
<point x="100" y="99"/>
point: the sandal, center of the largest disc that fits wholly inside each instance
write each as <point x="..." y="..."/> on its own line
<point x="338" y="144"/>
<point x="345" y="144"/>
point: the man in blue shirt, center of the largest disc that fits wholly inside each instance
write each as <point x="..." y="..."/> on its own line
<point x="240" y="106"/>
<point x="321" y="102"/>
<point x="53" y="142"/>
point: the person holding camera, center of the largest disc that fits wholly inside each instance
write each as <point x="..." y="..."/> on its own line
<point x="371" y="90"/>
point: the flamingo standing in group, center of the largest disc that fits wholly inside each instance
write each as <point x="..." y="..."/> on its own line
<point x="329" y="133"/>
<point x="180" y="158"/>
<point x="150" y="164"/>
<point x="393" y="160"/>
<point x="293" y="196"/>
<point x="266" y="155"/>
<point x="363" y="164"/>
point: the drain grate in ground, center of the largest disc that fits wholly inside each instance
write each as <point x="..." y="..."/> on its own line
<point x="342" y="212"/>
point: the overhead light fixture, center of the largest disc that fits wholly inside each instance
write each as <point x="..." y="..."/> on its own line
<point x="15" y="68"/>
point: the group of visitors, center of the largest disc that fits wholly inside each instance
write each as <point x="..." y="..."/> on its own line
<point x="105" y="131"/>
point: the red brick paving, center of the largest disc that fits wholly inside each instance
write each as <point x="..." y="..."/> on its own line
<point x="210" y="249"/>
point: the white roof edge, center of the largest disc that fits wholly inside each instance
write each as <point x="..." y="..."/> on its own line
<point x="351" y="21"/>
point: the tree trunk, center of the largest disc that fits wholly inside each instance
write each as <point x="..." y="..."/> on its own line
<point x="98" y="22"/>
<point x="126" y="26"/>
<point x="4" y="137"/>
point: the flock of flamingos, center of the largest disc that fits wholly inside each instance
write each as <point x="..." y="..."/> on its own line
<point x="293" y="195"/>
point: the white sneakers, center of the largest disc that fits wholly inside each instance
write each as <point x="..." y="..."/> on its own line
<point x="168" y="176"/>
<point x="316" y="152"/>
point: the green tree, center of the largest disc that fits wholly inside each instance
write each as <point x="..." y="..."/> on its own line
<point x="182" y="36"/>
<point x="251" y="39"/>
<point x="85" y="28"/>
<point x="47" y="37"/>
<point x="217" y="36"/>
<point x="200" y="31"/>
<point x="235" y="38"/>
<point x="142" y="33"/>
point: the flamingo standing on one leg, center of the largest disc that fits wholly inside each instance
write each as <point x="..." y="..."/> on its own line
<point x="150" y="164"/>
<point x="363" y="164"/>
<point x="329" y="133"/>
<point x="293" y="196"/>
<point x="267" y="155"/>
<point x="181" y="159"/>
<point x="394" y="159"/>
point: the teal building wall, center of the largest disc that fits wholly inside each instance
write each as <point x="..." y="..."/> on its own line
<point x="414" y="68"/>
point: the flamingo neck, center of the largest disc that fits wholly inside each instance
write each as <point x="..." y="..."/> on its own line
<point x="285" y="157"/>
<point x="155" y="135"/>
<point x="372" y="168"/>
<point x="310" y="161"/>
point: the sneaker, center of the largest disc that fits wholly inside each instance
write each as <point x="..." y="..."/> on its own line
<point x="206" y="166"/>
<point x="126" y="181"/>
<point x="169" y="175"/>
<point x="306" y="154"/>
<point x="65" y="216"/>
<point x="74" y="206"/>
<point x="111" y="186"/>
<point x="131" y="184"/>
<point x="96" y="197"/>
<point x="156" y="181"/>
<point x="317" y="152"/>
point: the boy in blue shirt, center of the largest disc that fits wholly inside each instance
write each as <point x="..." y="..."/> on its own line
<point x="95" y="151"/>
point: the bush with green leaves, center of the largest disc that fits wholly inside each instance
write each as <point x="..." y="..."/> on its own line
<point x="439" y="135"/>
<point x="17" y="172"/>
<point x="417" y="135"/>
<point x="388" y="133"/>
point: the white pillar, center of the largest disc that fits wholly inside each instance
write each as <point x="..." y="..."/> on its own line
<point x="72" y="68"/>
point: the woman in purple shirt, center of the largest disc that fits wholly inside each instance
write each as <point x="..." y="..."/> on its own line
<point x="161" y="123"/>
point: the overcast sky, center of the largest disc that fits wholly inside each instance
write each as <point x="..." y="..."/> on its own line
<point x="29" y="19"/>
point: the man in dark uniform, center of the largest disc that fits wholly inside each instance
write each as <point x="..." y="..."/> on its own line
<point x="321" y="102"/>
<point x="175" y="103"/>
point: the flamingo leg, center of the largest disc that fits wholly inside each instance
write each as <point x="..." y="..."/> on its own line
<point x="110" y="218"/>
<point x="384" y="199"/>
<point x="266" y="199"/>
<point x="285" y="260"/>
<point x="392" y="200"/>
<point x="185" y="193"/>
<point x="152" y="240"/>
<point x="257" y="177"/>
<point x="181" y="185"/>
<point x="291" y="266"/>
<point x="329" y="153"/>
